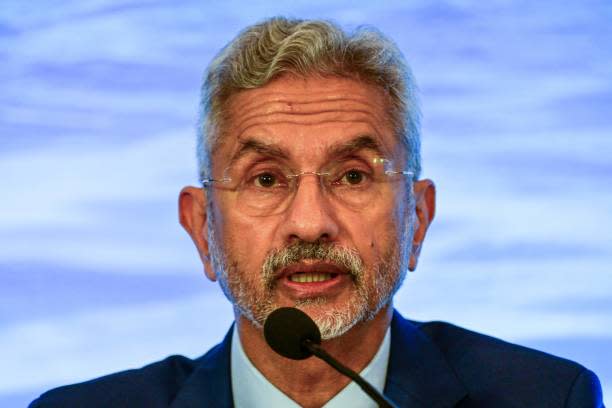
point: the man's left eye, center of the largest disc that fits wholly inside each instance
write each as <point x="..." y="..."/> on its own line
<point x="353" y="177"/>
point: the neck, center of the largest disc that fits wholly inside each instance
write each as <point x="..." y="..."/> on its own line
<point x="311" y="382"/>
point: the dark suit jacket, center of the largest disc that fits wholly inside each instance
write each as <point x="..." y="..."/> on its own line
<point x="431" y="365"/>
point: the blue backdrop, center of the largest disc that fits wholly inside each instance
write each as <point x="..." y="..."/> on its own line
<point x="98" y="103"/>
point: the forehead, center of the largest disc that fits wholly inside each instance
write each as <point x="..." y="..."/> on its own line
<point x="307" y="117"/>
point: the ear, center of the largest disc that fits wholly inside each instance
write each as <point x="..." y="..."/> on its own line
<point x="425" y="201"/>
<point x="193" y="217"/>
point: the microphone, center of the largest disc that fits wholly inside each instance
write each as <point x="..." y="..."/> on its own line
<point x="293" y="334"/>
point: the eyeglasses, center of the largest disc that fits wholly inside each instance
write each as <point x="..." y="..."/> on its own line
<point x="268" y="187"/>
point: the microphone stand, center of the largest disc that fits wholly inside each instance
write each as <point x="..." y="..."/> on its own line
<point x="378" y="397"/>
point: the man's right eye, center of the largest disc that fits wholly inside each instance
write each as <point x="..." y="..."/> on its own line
<point x="265" y="180"/>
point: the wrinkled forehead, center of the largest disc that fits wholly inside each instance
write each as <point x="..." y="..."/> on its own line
<point x="308" y="119"/>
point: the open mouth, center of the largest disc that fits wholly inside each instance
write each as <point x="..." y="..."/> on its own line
<point x="312" y="271"/>
<point x="311" y="277"/>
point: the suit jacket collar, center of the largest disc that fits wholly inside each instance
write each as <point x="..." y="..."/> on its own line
<point x="418" y="374"/>
<point x="210" y="385"/>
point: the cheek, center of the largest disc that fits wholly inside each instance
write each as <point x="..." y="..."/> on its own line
<point x="373" y="237"/>
<point x="246" y="241"/>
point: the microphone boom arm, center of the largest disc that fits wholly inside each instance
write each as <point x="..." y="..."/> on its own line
<point x="378" y="397"/>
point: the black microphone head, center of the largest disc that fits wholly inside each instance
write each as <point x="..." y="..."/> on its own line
<point x="285" y="330"/>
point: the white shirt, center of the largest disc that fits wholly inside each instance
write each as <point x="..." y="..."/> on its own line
<point x="251" y="389"/>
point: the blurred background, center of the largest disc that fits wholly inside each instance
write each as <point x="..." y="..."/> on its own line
<point x="98" y="103"/>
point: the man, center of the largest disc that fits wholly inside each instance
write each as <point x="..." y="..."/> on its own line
<point x="309" y="159"/>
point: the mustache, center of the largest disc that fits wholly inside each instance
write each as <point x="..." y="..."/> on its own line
<point x="343" y="257"/>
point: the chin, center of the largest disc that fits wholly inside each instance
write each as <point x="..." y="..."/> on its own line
<point x="334" y="320"/>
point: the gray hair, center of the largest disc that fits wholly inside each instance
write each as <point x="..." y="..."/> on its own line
<point x="279" y="45"/>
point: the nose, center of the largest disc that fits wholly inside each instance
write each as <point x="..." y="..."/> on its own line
<point x="310" y="216"/>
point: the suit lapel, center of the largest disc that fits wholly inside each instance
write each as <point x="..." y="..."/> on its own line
<point x="210" y="385"/>
<point x="418" y="374"/>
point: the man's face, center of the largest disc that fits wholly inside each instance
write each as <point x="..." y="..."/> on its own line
<point x="338" y="262"/>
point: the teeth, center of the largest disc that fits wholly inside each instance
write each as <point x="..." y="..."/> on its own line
<point x="310" y="277"/>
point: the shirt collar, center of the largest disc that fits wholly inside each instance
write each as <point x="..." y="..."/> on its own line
<point x="250" y="388"/>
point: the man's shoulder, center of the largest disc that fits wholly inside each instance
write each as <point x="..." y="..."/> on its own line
<point x="487" y="365"/>
<point x="466" y="347"/>
<point x="154" y="385"/>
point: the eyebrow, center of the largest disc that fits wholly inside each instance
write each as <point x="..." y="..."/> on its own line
<point x="338" y="150"/>
<point x="354" y="145"/>
<point x="253" y="145"/>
